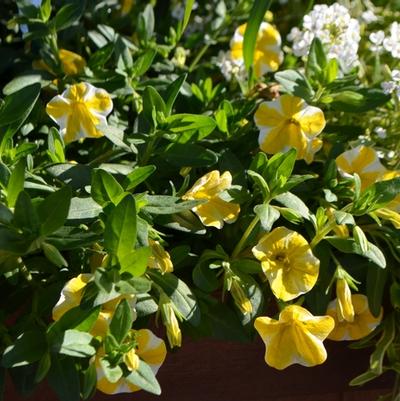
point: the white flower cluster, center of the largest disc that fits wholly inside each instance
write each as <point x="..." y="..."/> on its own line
<point x="230" y="67"/>
<point x="392" y="86"/>
<point x="334" y="26"/>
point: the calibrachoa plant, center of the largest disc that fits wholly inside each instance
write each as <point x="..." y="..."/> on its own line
<point x="224" y="168"/>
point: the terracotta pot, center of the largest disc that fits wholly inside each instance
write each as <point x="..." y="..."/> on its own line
<point x="210" y="370"/>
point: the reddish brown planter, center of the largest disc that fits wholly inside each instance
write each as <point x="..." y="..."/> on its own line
<point x="211" y="370"/>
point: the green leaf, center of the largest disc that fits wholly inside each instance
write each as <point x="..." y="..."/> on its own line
<point x="261" y="183"/>
<point x="364" y="378"/>
<point x="144" y="378"/>
<point x="279" y="169"/>
<point x="112" y="372"/>
<point x="357" y="100"/>
<point x="68" y="14"/>
<point x="43" y="367"/>
<point x="45" y="10"/>
<point x="137" y="176"/>
<point x="188" y="155"/>
<point x="53" y="211"/>
<point x="146" y="22"/>
<point x="18" y="105"/>
<point x="136" y="261"/>
<point x="89" y="380"/>
<point x="164" y="204"/>
<point x="186" y="16"/>
<point x="76" y="318"/>
<point x="83" y="209"/>
<point x="115" y="135"/>
<point x="205" y="278"/>
<point x="54" y="255"/>
<point x="376" y="280"/>
<point x="172" y="92"/>
<point x="316" y="60"/>
<point x="152" y="103"/>
<point x="121" y="321"/>
<point x="120" y="230"/>
<point x="180" y="294"/>
<point x="376" y="196"/>
<point x="190" y="127"/>
<point x="73" y="343"/>
<point x="260" y="7"/>
<point x="349" y="245"/>
<point x="144" y="62"/>
<point x="13" y="242"/>
<point x="267" y="215"/>
<point x="295" y="83"/>
<point x="28" y="79"/>
<point x="29" y="347"/>
<point x="386" y="339"/>
<point x="105" y="188"/>
<point x="16" y="183"/>
<point x="293" y="202"/>
<point x="63" y="378"/>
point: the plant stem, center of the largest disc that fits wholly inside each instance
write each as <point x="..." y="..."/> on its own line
<point x="245" y="236"/>
<point x="321" y="235"/>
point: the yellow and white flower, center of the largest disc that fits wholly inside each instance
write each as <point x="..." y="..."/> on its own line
<point x="71" y="296"/>
<point x="267" y="54"/>
<point x="78" y="111"/>
<point x="363" y="161"/>
<point x="363" y="323"/>
<point x="215" y="211"/>
<point x="159" y="259"/>
<point x="150" y="349"/>
<point x="288" y="263"/>
<point x="289" y="122"/>
<point x="297" y="337"/>
<point x="71" y="63"/>
<point x="344" y="305"/>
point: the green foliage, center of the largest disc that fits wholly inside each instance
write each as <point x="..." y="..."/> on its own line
<point x="109" y="223"/>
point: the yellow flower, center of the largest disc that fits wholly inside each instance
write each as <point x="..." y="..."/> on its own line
<point x="344" y="305"/>
<point x="79" y="109"/>
<point x="215" y="211"/>
<point x="363" y="161"/>
<point x="295" y="338"/>
<point x="71" y="296"/>
<point x="364" y="322"/>
<point x="160" y="258"/>
<point x="267" y="54"/>
<point x="72" y="63"/>
<point x="289" y="122"/>
<point x="288" y="263"/>
<point x="150" y="349"/>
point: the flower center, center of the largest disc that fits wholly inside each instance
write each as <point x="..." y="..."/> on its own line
<point x="292" y="120"/>
<point x="283" y="260"/>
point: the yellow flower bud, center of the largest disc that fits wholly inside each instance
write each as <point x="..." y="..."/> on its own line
<point x="160" y="258"/>
<point x="239" y="296"/>
<point x="170" y="321"/>
<point x="344" y="306"/>
<point x="389" y="215"/>
<point x="131" y="360"/>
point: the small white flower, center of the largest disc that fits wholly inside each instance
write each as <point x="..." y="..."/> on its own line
<point x="392" y="86"/>
<point x="334" y="26"/>
<point x="392" y="43"/>
<point x="368" y="16"/>
<point x="230" y="67"/>
<point x="377" y="38"/>
<point x="380" y="132"/>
